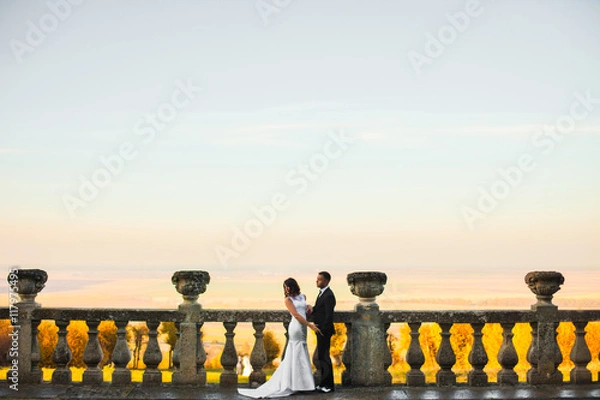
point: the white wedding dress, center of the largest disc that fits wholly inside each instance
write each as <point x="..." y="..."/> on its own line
<point x="294" y="374"/>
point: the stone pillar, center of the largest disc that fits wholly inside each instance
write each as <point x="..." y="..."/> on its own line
<point x="368" y="331"/>
<point x="190" y="284"/>
<point x="177" y="349"/>
<point x="26" y="283"/>
<point x="532" y="352"/>
<point x="544" y="284"/>
<point x="346" y="357"/>
<point x="387" y="355"/>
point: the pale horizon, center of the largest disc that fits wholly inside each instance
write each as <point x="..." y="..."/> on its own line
<point x="409" y="288"/>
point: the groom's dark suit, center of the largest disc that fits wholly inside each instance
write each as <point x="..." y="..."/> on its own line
<point x="322" y="316"/>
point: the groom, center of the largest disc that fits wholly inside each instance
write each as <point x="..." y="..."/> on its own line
<point x="322" y="315"/>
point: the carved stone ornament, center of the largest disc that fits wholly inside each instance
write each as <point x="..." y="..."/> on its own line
<point x="190" y="284"/>
<point x="367" y="285"/>
<point x="28" y="283"/>
<point x="544" y="284"/>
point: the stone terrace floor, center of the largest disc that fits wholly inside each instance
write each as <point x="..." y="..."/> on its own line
<point x="47" y="391"/>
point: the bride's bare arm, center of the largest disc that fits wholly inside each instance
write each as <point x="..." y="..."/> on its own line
<point x="300" y="318"/>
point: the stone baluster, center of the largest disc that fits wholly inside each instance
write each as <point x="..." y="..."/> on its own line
<point x="532" y="352"/>
<point x="177" y="349"/>
<point x="258" y="357"/>
<point x="347" y="357"/>
<point x="121" y="356"/>
<point x="24" y="286"/>
<point x="558" y="358"/>
<point x="369" y="347"/>
<point x="387" y="355"/>
<point x="478" y="358"/>
<point x="415" y="357"/>
<point x="229" y="358"/>
<point x="507" y="356"/>
<point x="580" y="355"/>
<point x="446" y="358"/>
<point x="92" y="356"/>
<point x="544" y="284"/>
<point x="200" y="356"/>
<point x="61" y="355"/>
<point x="152" y="356"/>
<point x="286" y="325"/>
<point x="36" y="357"/>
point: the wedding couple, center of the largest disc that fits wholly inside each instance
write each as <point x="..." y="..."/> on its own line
<point x="294" y="374"/>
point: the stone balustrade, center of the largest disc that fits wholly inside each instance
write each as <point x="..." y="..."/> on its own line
<point x="366" y="356"/>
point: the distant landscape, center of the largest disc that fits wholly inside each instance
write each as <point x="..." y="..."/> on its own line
<point x="407" y="288"/>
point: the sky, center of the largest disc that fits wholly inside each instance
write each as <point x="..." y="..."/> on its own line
<point x="300" y="135"/>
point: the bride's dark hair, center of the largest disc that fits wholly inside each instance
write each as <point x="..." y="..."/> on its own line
<point x="294" y="289"/>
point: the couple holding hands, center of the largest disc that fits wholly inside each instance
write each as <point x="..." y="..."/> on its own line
<point x="294" y="374"/>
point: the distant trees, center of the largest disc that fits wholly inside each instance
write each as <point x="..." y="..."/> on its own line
<point x="430" y="340"/>
<point x="47" y="339"/>
<point x="338" y="341"/>
<point x="5" y="340"/>
<point x="168" y="333"/>
<point x="107" y="336"/>
<point x="272" y="347"/>
<point x="77" y="339"/>
<point x="135" y="337"/>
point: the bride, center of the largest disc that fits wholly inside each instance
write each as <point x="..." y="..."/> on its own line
<point x="294" y="374"/>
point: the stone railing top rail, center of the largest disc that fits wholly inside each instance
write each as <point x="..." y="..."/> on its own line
<point x="484" y="316"/>
<point x="227" y="315"/>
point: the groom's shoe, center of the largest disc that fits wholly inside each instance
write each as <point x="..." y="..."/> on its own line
<point x="327" y="390"/>
<point x="317" y="388"/>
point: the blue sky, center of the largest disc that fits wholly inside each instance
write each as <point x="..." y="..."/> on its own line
<point x="271" y="94"/>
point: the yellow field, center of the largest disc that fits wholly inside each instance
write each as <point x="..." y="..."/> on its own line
<point x="212" y="376"/>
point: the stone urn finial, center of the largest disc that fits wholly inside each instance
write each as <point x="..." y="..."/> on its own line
<point x="367" y="286"/>
<point x="190" y="284"/>
<point x="27" y="282"/>
<point x="544" y="284"/>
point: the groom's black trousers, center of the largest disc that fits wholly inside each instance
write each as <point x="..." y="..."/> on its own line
<point x="325" y="367"/>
